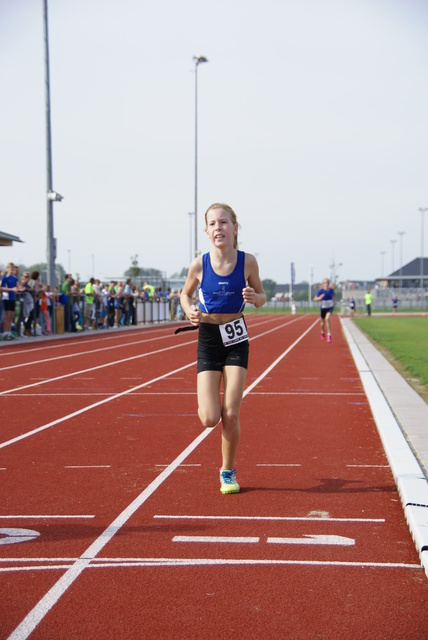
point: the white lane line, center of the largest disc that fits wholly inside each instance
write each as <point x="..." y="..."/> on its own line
<point x="341" y="541"/>
<point x="269" y="464"/>
<point x="368" y="466"/>
<point x="91" y="406"/>
<point x="86" y="353"/>
<point x="51" y="597"/>
<point x="121" y="345"/>
<point x="216" y="539"/>
<point x="181" y="465"/>
<point x="44" y="517"/>
<point x="270" y="518"/>
<point x="88" y="466"/>
<point x="101" y="366"/>
<point x="109" y="563"/>
<point x="141" y="386"/>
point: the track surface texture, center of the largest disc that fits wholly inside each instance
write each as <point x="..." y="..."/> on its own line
<point x="112" y="524"/>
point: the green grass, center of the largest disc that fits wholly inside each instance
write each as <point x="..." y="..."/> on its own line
<point x="406" y="339"/>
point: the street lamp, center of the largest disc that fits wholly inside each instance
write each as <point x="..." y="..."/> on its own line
<point x="191" y="227"/>
<point x="392" y="254"/>
<point x="382" y="253"/>
<point x="197" y="60"/>
<point x="401" y="234"/>
<point x="422" y="210"/>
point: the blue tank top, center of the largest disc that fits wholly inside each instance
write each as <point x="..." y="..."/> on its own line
<point x="222" y="294"/>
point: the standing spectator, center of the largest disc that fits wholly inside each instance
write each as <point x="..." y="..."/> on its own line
<point x="9" y="284"/>
<point x="351" y="306"/>
<point x="119" y="304"/>
<point x="76" y="311"/>
<point x="111" y="300"/>
<point x="173" y="305"/>
<point x="45" y="322"/>
<point x="89" y="304"/>
<point x="27" y="301"/>
<point x="33" y="285"/>
<point x="149" y="289"/>
<point x="128" y="301"/>
<point x="69" y="322"/>
<point x="97" y="309"/>
<point x="368" y="299"/>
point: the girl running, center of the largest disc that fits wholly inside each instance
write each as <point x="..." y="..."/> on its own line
<point x="228" y="279"/>
<point x="327" y="297"/>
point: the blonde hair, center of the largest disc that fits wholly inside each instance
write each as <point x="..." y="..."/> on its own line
<point x="234" y="219"/>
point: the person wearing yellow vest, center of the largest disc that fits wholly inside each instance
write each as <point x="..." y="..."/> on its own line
<point x="368" y="299"/>
<point x="89" y="304"/>
<point x="150" y="289"/>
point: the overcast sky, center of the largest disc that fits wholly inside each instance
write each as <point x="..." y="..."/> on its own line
<point x="313" y="126"/>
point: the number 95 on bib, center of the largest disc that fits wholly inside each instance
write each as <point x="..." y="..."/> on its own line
<point x="233" y="332"/>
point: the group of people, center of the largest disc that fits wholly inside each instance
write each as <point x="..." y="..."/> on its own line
<point x="35" y="298"/>
<point x="25" y="303"/>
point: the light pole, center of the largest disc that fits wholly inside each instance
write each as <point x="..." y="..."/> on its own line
<point x="392" y="254"/>
<point x="197" y="60"/>
<point x="382" y="253"/>
<point x="191" y="227"/>
<point x="52" y="195"/>
<point x="422" y="210"/>
<point x="401" y="234"/>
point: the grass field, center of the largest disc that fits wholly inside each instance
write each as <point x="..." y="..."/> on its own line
<point x="404" y="341"/>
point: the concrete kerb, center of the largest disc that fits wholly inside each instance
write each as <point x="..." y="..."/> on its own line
<point x="401" y="417"/>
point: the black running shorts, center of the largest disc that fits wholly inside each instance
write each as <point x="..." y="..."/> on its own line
<point x="213" y="355"/>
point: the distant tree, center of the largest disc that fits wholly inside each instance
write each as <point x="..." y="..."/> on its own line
<point x="269" y="286"/>
<point x="181" y="274"/>
<point x="134" y="270"/>
<point x="42" y="267"/>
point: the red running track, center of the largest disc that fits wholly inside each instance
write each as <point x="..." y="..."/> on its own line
<point x="112" y="524"/>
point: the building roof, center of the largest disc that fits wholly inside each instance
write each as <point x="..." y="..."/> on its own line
<point x="411" y="270"/>
<point x="7" y="240"/>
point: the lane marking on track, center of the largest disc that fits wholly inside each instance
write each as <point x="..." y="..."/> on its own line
<point x="89" y="407"/>
<point x="315" y="539"/>
<point x="144" y="384"/>
<point x="102" y="339"/>
<point x="88" y="466"/>
<point x="129" y="359"/>
<point x="15" y="536"/>
<point x="309" y="393"/>
<point x="86" y="353"/>
<point x="101" y="366"/>
<point x="109" y="563"/>
<point x="271" y="518"/>
<point x="45" y="517"/>
<point x="215" y="539"/>
<point x="368" y="466"/>
<point x="51" y="597"/>
<point x="268" y="464"/>
<point x="181" y="465"/>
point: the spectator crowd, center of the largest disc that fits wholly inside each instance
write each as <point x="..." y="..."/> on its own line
<point x="29" y="308"/>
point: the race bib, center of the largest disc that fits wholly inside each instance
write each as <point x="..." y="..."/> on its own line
<point x="233" y="332"/>
<point x="327" y="304"/>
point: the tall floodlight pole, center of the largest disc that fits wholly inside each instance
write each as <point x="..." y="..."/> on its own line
<point x="392" y="254"/>
<point x="382" y="253"/>
<point x="191" y="239"/>
<point x="197" y="60"/>
<point x="422" y="210"/>
<point x="401" y="234"/>
<point x="50" y="251"/>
